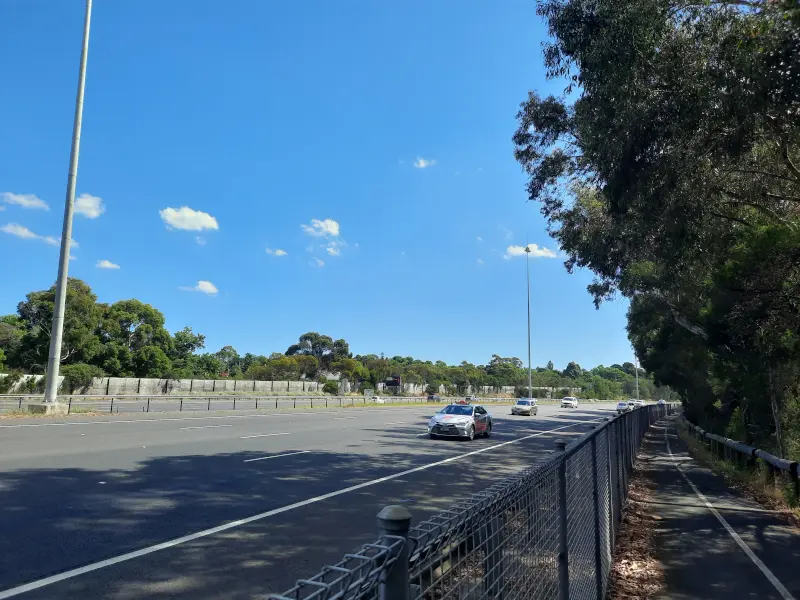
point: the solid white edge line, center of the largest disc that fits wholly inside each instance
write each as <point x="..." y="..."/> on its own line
<point x="205" y="427"/>
<point x="34" y="585"/>
<point x="166" y="419"/>
<point x="247" y="437"/>
<point x="784" y="593"/>
<point x="277" y="456"/>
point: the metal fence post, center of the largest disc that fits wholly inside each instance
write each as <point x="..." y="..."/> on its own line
<point x="209" y="404"/>
<point x="256" y="402"/>
<point x="611" y="524"/>
<point x="111" y="410"/>
<point x="395" y="521"/>
<point x="234" y="403"/>
<point x="598" y="561"/>
<point x="69" y="406"/>
<point x="563" y="548"/>
<point x="148" y="403"/>
<point x="180" y="408"/>
<point x="493" y="561"/>
<point x="20" y="403"/>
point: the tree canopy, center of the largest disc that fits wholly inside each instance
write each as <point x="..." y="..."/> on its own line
<point x="670" y="168"/>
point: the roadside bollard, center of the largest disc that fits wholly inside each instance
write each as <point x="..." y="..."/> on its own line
<point x="395" y="521"/>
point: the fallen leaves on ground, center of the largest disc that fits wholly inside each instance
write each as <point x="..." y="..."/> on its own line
<point x="635" y="573"/>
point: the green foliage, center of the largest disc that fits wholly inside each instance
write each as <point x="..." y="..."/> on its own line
<point x="128" y="339"/>
<point x="78" y="377"/>
<point x="331" y="387"/>
<point x="680" y="154"/>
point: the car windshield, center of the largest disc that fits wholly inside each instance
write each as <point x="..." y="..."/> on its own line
<point x="456" y="410"/>
<point x="524" y="402"/>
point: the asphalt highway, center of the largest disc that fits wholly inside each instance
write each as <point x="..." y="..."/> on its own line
<point x="232" y="505"/>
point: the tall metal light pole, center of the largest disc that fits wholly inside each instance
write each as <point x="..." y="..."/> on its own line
<point x="528" y="280"/>
<point x="54" y="359"/>
<point x="636" y="370"/>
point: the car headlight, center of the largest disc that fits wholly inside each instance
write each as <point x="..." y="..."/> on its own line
<point x="432" y="422"/>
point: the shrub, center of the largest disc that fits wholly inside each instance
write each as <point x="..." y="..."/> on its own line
<point x="78" y="377"/>
<point x="331" y="387"/>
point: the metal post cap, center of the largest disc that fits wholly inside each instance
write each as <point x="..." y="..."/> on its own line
<point x="561" y="445"/>
<point x="394" y="518"/>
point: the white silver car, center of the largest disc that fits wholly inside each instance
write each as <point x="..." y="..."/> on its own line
<point x="525" y="406"/>
<point x="623" y="407"/>
<point x="569" y="402"/>
<point x="460" y="420"/>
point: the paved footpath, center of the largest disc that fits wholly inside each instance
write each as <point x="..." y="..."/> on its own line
<point x="714" y="543"/>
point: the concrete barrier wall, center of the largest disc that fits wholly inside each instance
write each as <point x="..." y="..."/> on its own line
<point x="155" y="387"/>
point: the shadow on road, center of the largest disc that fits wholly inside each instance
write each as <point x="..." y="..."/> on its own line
<point x="59" y="519"/>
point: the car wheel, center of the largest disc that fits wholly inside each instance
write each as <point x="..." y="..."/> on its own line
<point x="488" y="431"/>
<point x="471" y="433"/>
<point x="535" y="412"/>
<point x="433" y="436"/>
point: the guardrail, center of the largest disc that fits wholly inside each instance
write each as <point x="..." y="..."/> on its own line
<point x="547" y="532"/>
<point x="114" y="403"/>
<point x="163" y="403"/>
<point x="746" y="456"/>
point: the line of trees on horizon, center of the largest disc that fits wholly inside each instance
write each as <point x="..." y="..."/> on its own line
<point x="128" y="339"/>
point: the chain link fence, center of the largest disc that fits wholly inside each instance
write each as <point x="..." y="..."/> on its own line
<point x="546" y="533"/>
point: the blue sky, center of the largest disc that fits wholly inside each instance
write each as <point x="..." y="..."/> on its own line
<point x="345" y="167"/>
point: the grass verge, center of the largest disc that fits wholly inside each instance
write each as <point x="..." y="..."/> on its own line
<point x="635" y="572"/>
<point x="751" y="482"/>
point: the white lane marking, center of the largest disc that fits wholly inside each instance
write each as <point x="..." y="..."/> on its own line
<point x="394" y="423"/>
<point x="247" y="437"/>
<point x="35" y="585"/>
<point x="277" y="456"/>
<point x="782" y="591"/>
<point x="160" y="419"/>
<point x="343" y="418"/>
<point x="205" y="426"/>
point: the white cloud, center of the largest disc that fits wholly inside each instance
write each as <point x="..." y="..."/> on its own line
<point x="316" y="262"/>
<point x="106" y="264"/>
<point x="25" y="200"/>
<point x="480" y="261"/>
<point x="89" y="206"/>
<point x="201" y="241"/>
<point x="277" y="252"/>
<point x="322" y="228"/>
<point x="24" y="233"/>
<point x="188" y="219"/>
<point x="479" y="238"/>
<point x="536" y="252"/>
<point x="205" y="287"/>
<point x="333" y="251"/>
<point x="424" y="163"/>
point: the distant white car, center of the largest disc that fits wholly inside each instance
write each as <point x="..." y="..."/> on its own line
<point x="662" y="401"/>
<point x="623" y="407"/>
<point x="569" y="402"/>
<point x="637" y="403"/>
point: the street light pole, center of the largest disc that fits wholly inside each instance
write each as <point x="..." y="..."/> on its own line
<point x="54" y="359"/>
<point x="528" y="280"/>
<point x="636" y="369"/>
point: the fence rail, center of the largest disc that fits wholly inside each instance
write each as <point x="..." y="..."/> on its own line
<point x="160" y="403"/>
<point x="114" y="403"/>
<point x="744" y="455"/>
<point x="546" y="533"/>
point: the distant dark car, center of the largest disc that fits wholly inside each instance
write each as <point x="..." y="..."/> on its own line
<point x="434" y="398"/>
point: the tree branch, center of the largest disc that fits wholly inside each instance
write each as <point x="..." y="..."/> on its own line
<point x="767" y="173"/>
<point x="730" y="218"/>
<point x="787" y="159"/>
